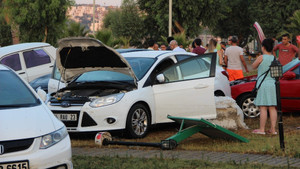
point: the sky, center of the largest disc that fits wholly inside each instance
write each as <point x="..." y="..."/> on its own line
<point x="100" y="2"/>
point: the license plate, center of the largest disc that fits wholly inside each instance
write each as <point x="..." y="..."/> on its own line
<point x="66" y="117"/>
<point x="15" y="165"/>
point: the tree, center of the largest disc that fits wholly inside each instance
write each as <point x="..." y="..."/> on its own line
<point x="294" y="26"/>
<point x="237" y="22"/>
<point x="126" y="22"/>
<point x="106" y="37"/>
<point x="38" y="20"/>
<point x="190" y="15"/>
<point x="273" y="16"/>
<point x="75" y="29"/>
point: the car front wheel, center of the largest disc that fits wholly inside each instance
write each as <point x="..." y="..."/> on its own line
<point x="138" y="121"/>
<point x="248" y="107"/>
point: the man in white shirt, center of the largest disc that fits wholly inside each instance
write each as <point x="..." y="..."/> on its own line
<point x="234" y="59"/>
<point x="174" y="46"/>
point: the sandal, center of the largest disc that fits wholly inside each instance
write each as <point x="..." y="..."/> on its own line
<point x="257" y="131"/>
<point x="269" y="132"/>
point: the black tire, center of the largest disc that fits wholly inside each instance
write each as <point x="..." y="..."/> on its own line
<point x="219" y="93"/>
<point x="246" y="103"/>
<point x="138" y="121"/>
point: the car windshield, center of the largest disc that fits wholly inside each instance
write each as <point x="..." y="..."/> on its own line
<point x="13" y="91"/>
<point x="95" y="76"/>
<point x="140" y="65"/>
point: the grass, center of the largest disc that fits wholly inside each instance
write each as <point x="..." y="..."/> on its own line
<point x="259" y="144"/>
<point x="87" y="162"/>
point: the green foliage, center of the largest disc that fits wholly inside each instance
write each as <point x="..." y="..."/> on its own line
<point x="75" y="29"/>
<point x="126" y="22"/>
<point x="105" y="36"/>
<point x="5" y="35"/>
<point x="237" y="21"/>
<point x="272" y="16"/>
<point x="294" y="26"/>
<point x="182" y="39"/>
<point x="38" y="20"/>
<point x="188" y="15"/>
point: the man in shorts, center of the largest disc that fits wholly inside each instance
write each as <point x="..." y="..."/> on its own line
<point x="234" y="59"/>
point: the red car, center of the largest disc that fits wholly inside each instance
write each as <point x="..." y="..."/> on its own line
<point x="289" y="91"/>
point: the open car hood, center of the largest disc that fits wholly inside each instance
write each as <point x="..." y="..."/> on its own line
<point x="81" y="54"/>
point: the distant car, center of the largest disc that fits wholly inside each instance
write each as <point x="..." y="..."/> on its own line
<point x="289" y="91"/>
<point x="30" y="135"/>
<point x="108" y="91"/>
<point x="41" y="82"/>
<point x="29" y="60"/>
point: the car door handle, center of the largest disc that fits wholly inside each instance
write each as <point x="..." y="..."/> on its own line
<point x="21" y="73"/>
<point x="51" y="66"/>
<point x="201" y="86"/>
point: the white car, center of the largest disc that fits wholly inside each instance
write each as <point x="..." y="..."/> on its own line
<point x="105" y="91"/>
<point x="30" y="135"/>
<point x="29" y="60"/>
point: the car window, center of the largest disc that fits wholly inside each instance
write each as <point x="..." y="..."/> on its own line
<point x="190" y="69"/>
<point x="36" y="57"/>
<point x="182" y="57"/>
<point x="13" y="92"/>
<point x="140" y="66"/>
<point x="55" y="73"/>
<point x="12" y="61"/>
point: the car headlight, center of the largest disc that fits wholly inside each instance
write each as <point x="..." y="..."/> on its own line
<point x="53" y="138"/>
<point x="106" y="100"/>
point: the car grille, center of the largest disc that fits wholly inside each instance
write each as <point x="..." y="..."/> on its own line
<point x="16" y="145"/>
<point x="69" y="123"/>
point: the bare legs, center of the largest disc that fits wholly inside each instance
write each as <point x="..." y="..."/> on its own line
<point x="264" y="116"/>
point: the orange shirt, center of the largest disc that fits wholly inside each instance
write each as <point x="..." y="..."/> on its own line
<point x="286" y="53"/>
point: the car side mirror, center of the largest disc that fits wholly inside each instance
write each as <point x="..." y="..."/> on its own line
<point x="289" y="75"/>
<point x="160" y="78"/>
<point x="42" y="94"/>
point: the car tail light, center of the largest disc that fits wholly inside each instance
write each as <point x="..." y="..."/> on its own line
<point x="225" y="74"/>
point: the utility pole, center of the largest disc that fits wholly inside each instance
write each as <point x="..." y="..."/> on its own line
<point x="170" y="17"/>
<point x="94" y="17"/>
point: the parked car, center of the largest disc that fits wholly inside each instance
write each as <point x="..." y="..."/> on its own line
<point x="29" y="60"/>
<point x="41" y="82"/>
<point x="222" y="87"/>
<point x="106" y="92"/>
<point x="30" y="135"/>
<point x="289" y="91"/>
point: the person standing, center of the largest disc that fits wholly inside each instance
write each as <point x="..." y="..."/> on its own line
<point x="169" y="39"/>
<point x="234" y="59"/>
<point x="287" y="51"/>
<point x="266" y="94"/>
<point x="174" y="46"/>
<point x="212" y="47"/>
<point x="198" y="49"/>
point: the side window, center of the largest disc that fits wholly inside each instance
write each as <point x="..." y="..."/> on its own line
<point x="36" y="57"/>
<point x="182" y="57"/>
<point x="161" y="66"/>
<point x="12" y="61"/>
<point x="191" y="69"/>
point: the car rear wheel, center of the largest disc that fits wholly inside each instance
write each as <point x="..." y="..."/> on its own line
<point x="138" y="121"/>
<point x="248" y="107"/>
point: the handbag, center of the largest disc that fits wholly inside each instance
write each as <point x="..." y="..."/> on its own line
<point x="255" y="89"/>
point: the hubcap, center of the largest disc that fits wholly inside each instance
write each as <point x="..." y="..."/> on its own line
<point x="249" y="108"/>
<point x="139" y="121"/>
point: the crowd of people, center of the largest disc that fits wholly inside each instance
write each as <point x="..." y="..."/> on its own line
<point x="231" y="57"/>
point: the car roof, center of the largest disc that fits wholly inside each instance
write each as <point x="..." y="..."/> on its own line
<point x="131" y="50"/>
<point x="150" y="53"/>
<point x="20" y="47"/>
<point x="3" y="67"/>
